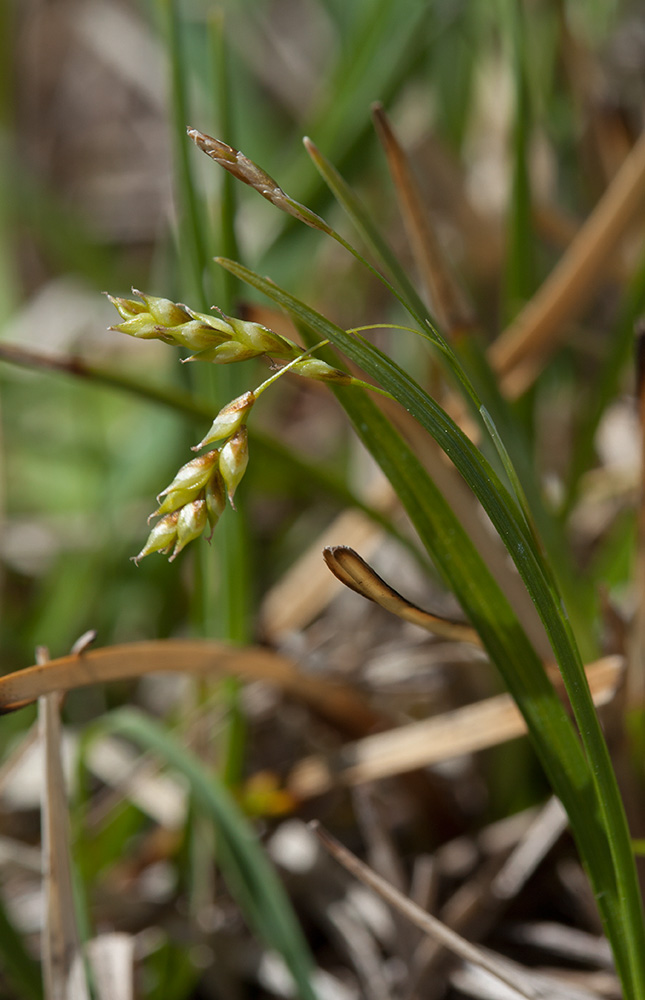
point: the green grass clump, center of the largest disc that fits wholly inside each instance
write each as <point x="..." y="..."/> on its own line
<point x="473" y="375"/>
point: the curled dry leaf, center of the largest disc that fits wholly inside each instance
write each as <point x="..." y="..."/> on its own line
<point x="348" y="567"/>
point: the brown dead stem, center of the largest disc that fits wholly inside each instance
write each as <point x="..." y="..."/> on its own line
<point x="448" y="301"/>
<point x="63" y="974"/>
<point x="510" y="974"/>
<point x="462" y="731"/>
<point x="519" y="353"/>
<point x="337" y="702"/>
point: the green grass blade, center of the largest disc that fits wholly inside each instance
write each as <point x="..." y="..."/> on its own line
<point x="223" y="586"/>
<point x="576" y="592"/>
<point x="248" y="874"/>
<point x="509" y="522"/>
<point x="486" y="607"/>
<point x="520" y="266"/>
<point x="484" y="385"/>
<point x="370" y="235"/>
<point x="231" y="617"/>
<point x="480" y="381"/>
<point x="193" y="256"/>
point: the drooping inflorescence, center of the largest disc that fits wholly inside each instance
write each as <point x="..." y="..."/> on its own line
<point x="220" y="339"/>
<point x="197" y="495"/>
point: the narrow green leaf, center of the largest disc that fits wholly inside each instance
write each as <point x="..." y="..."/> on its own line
<point x="222" y="103"/>
<point x="248" y="874"/>
<point x="193" y="254"/>
<point x="474" y="378"/>
<point x="520" y="268"/>
<point x="626" y="932"/>
<point x="231" y="614"/>
<point x="558" y="555"/>
<point x="373" y="239"/>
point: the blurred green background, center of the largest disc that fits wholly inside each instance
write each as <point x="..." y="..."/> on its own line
<point x="93" y="198"/>
<point x="516" y="116"/>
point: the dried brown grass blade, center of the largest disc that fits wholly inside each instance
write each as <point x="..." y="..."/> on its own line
<point x="61" y="940"/>
<point x="531" y="849"/>
<point x="447" y="298"/>
<point x="478" y="903"/>
<point x="348" y="567"/>
<point x="518" y="354"/>
<point x="510" y="975"/>
<point x="465" y="730"/>
<point x="340" y="703"/>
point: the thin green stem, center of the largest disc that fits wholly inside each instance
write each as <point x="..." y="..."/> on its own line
<point x="232" y="612"/>
<point x="384" y="326"/>
<point x="520" y="269"/>
<point x="282" y="371"/>
<point x="192" y="236"/>
<point x="222" y="104"/>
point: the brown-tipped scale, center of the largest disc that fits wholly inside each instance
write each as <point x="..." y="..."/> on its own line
<point x="229" y="419"/>
<point x="192" y="477"/>
<point x="162" y="537"/>
<point x="190" y="524"/>
<point x="233" y="460"/>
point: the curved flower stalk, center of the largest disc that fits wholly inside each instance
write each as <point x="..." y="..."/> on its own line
<point x="197" y="495"/>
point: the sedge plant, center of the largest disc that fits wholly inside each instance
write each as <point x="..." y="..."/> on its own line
<point x="572" y="749"/>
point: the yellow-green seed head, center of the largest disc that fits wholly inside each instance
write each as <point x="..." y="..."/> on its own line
<point x="215" y="497"/>
<point x="148" y="319"/>
<point x="190" y="524"/>
<point x="163" y="311"/>
<point x="226" y="354"/>
<point x="229" y="419"/>
<point x="173" y="501"/>
<point x="233" y="460"/>
<point x="143" y="326"/>
<point x="195" y="335"/>
<point x="320" y="371"/>
<point x="260" y="339"/>
<point x="162" y="537"/>
<point x="208" y="319"/>
<point x="192" y="477"/>
<point x="127" y="308"/>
